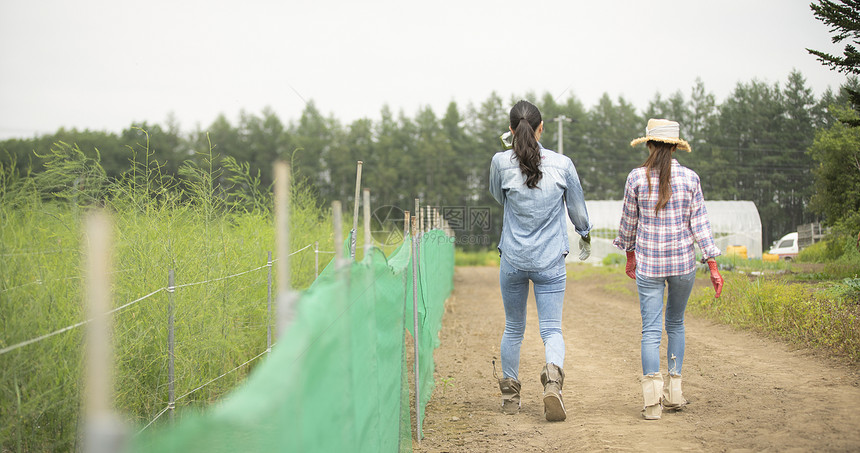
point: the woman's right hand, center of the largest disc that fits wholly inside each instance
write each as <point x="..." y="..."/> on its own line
<point x="630" y="269"/>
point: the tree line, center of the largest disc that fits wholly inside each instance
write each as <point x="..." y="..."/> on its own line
<point x="751" y="146"/>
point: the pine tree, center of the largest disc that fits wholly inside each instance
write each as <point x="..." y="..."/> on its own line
<point x="844" y="19"/>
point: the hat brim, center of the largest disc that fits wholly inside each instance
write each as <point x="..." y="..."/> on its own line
<point x="682" y="144"/>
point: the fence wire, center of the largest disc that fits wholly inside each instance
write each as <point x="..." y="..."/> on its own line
<point x="187" y="397"/>
<point x="168" y="289"/>
<point x="37" y="252"/>
<point x="45" y="282"/>
<point x="173" y="405"/>
<point x="74" y="326"/>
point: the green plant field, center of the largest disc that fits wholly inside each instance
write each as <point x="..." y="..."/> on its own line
<point x="192" y="228"/>
<point x="219" y="325"/>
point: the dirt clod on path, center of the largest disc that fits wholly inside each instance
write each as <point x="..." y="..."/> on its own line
<point x="746" y="392"/>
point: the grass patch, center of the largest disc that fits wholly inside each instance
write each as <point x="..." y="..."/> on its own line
<point x="578" y="271"/>
<point x="845" y="292"/>
<point x="613" y="277"/>
<point x="802" y="313"/>
<point x="839" y="255"/>
<point x="477" y="258"/>
<point x="736" y="263"/>
<point x="614" y="259"/>
<point x="816" y="253"/>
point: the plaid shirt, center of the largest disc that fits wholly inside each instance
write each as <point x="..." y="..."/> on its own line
<point x="664" y="242"/>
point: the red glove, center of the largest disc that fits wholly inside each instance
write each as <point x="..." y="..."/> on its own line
<point x="630" y="269"/>
<point x="716" y="278"/>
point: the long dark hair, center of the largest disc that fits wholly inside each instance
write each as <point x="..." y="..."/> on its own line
<point x="525" y="119"/>
<point x="661" y="160"/>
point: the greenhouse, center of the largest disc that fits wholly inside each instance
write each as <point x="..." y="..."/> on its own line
<point x="734" y="223"/>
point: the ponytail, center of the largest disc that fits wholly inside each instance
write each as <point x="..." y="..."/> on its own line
<point x="525" y="119"/>
<point x="661" y="160"/>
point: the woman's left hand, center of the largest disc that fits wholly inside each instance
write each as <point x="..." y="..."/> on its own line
<point x="716" y="278"/>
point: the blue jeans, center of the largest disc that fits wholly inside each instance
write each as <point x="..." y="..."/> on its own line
<point x="651" y="307"/>
<point x="549" y="287"/>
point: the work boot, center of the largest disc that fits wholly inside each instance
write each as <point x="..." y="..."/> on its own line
<point x="552" y="378"/>
<point x="510" y="388"/>
<point x="673" y="399"/>
<point x="652" y="390"/>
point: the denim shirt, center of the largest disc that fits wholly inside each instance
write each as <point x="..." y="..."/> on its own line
<point x="534" y="230"/>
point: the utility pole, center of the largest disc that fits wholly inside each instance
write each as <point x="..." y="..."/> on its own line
<point x="561" y="119"/>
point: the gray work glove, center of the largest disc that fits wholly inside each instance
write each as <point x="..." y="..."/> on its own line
<point x="584" y="247"/>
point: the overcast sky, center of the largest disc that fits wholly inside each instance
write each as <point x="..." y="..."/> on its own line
<point x="104" y="64"/>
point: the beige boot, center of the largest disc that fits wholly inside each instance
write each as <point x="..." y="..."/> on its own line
<point x="652" y="390"/>
<point x="673" y="399"/>
<point x="510" y="388"/>
<point x="552" y="378"/>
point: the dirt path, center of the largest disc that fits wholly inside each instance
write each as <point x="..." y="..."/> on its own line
<point x="746" y="392"/>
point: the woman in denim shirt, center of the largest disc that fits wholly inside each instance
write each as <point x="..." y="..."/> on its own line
<point x="662" y="216"/>
<point x="535" y="185"/>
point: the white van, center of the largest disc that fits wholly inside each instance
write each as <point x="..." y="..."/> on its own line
<point x="786" y="248"/>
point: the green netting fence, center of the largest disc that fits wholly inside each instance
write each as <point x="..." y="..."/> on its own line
<point x="337" y="378"/>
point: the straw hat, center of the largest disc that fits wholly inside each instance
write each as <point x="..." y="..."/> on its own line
<point x="663" y="131"/>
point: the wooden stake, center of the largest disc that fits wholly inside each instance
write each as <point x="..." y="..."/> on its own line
<point x="368" y="239"/>
<point x="337" y="219"/>
<point x="355" y="211"/>
<point x="282" y="244"/>
<point x="406" y="226"/>
<point x="103" y="432"/>
<point x="416" y="328"/>
<point x="99" y="357"/>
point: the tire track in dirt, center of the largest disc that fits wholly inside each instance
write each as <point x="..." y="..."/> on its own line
<point x="746" y="392"/>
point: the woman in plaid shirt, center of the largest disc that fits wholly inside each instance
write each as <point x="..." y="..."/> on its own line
<point x="663" y="215"/>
